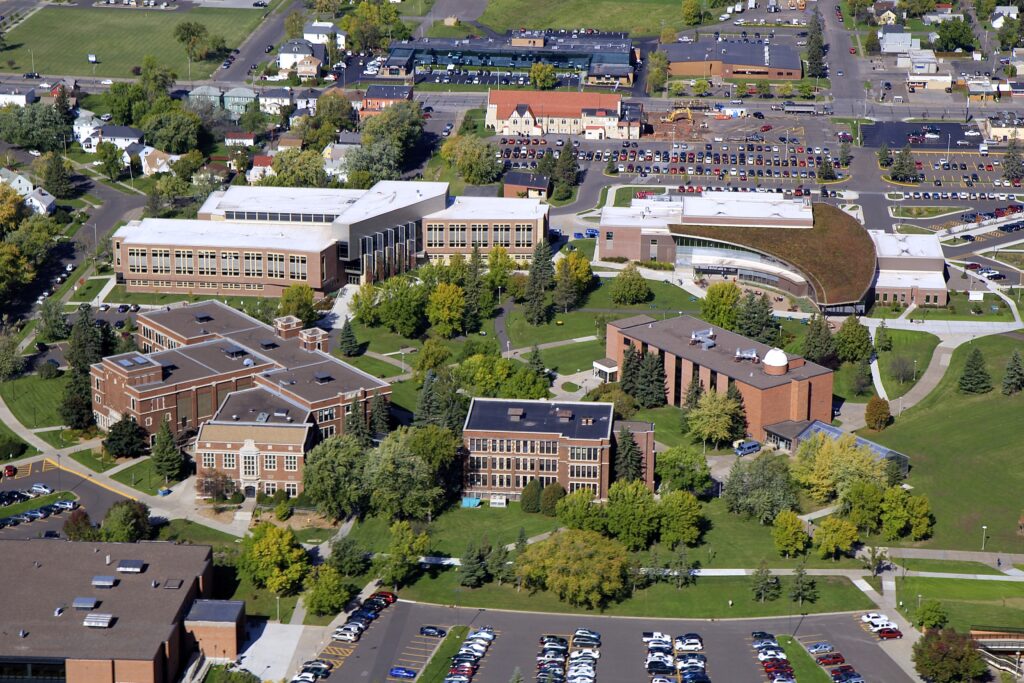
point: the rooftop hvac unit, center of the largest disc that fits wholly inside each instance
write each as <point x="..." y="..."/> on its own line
<point x="747" y="354"/>
<point x="98" y="620"/>
<point x="130" y="566"/>
<point x="104" y="582"/>
<point x="85" y="603"/>
<point x="706" y="338"/>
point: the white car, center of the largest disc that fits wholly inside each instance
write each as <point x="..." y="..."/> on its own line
<point x="35" y="152"/>
<point x="873" y="616"/>
<point x="106" y="81"/>
<point x="770" y="654"/>
<point x="345" y="636"/>
<point x="480" y="635"/>
<point x="586" y="652"/>
<point x="877" y="626"/>
<point x="688" y="645"/>
<point x="972" y="133"/>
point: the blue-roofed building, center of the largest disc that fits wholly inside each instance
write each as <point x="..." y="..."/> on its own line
<point x="788" y="435"/>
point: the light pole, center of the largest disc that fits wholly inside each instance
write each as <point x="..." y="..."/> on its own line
<point x="918" y="601"/>
<point x="278" y="608"/>
<point x="984" y="533"/>
<point x="915" y="369"/>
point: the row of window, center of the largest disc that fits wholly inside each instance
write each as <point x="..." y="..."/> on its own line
<point x="584" y="471"/>
<point x="590" y="453"/>
<point x="229" y="461"/>
<point x="480" y="235"/>
<point x="507" y="480"/>
<point x="513" y="446"/>
<point x="205" y="262"/>
<point x="478" y="462"/>
<point x="290" y="487"/>
<point x="280" y="217"/>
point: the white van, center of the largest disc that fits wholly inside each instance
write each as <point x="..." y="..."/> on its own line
<point x="983" y="150"/>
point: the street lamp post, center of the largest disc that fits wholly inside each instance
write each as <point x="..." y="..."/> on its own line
<point x="984" y="534"/>
<point x="915" y="369"/>
<point x="918" y="601"/>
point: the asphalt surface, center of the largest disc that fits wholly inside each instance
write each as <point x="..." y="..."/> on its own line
<point x="95" y="499"/>
<point x="393" y="640"/>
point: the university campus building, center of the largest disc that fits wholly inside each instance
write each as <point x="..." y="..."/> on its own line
<point x="911" y="269"/>
<point x="94" y="612"/>
<point x="256" y="397"/>
<point x="511" y="442"/>
<point x="257" y="241"/>
<point x="776" y="386"/>
<point x="595" y="116"/>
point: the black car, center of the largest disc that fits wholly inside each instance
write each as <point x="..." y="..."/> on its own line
<point x="433" y="631"/>
<point x="659" y="667"/>
<point x="41" y="347"/>
<point x="123" y="308"/>
<point x="268" y="49"/>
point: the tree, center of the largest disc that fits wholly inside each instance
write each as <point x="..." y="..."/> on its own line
<point x="803" y="587"/>
<point x="543" y="76"/>
<point x="536" y="298"/>
<point x="819" y="346"/>
<point x="694" y="390"/>
<point x="920" y="517"/>
<point x="835" y="536"/>
<point x="347" y="557"/>
<point x="549" y="497"/>
<point x="738" y="427"/>
<point x="845" y="155"/>
<point x="877" y="414"/>
<point x="166" y="457"/>
<point x="815" y="49"/>
<point x="691" y="12"/>
<point x="826" y="171"/>
<point x="975" y="378"/>
<point x="326" y="592"/>
<point x="78" y="527"/>
<point x="76" y="405"/>
<point x="764" y="585"/>
<point x="499" y="565"/>
<point x="760" y="488"/>
<point x="380" y="415"/>
<point x="347" y="342"/>
<point x="173" y="130"/>
<point x="872" y="44"/>
<point x="764" y="89"/>
<point x="579" y="511"/>
<point x="884" y="155"/>
<point x="535" y="362"/>
<point x="667" y="35"/>
<point x="293" y="25"/>
<point x="931" y="615"/>
<point x="632" y="514"/>
<point x="272" y="558"/>
<point x="828" y="467"/>
<point x="127" y="521"/>
<point x="682" y="468"/>
<point x="298" y="168"/>
<point x="713" y="418"/>
<point x="629" y="287"/>
<point x="1013" y="379"/>
<point x="895" y="513"/>
<point x="403" y="555"/>
<point x="193" y="36"/>
<point x="53" y="323"/>
<point x="111" y="159"/>
<point x="701" y="87"/>
<point x="126" y="439"/>
<point x="567" y="171"/>
<point x="403" y="484"/>
<point x="473" y="565"/>
<point x="901" y="368"/>
<point x="718" y="307"/>
<point x="478" y="298"/>
<point x="56" y="178"/>
<point x="253" y="119"/>
<point x="903" y="169"/>
<point x="862" y="383"/>
<point x="529" y="500"/>
<point x="853" y="341"/>
<point x="566" y="294"/>
<point x="680" y="517"/>
<point x="628" y="458"/>
<point x="789" y="535"/>
<point x="657" y="71"/>
<point x="650" y="381"/>
<point x="954" y="34"/>
<point x="401" y="305"/>
<point x="472" y="157"/>
<point x="333" y="476"/>
<point x="580" y="567"/>
<point x="445" y="308"/>
<point x="630" y="375"/>
<point x="755" y="318"/>
<point x="946" y="656"/>
<point x="862" y="505"/>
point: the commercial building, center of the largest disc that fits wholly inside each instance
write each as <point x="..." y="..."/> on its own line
<point x="377" y="98"/>
<point x="733" y="59"/>
<point x="105" y="612"/>
<point x="895" y="40"/>
<point x="601" y="58"/>
<point x="511" y="442"/>
<point x="911" y="269"/>
<point x="237" y="385"/>
<point x="267" y="238"/>
<point x="775" y="385"/>
<point x="16" y="95"/>
<point x="595" y="116"/>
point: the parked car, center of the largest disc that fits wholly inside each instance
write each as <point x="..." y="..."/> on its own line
<point x="889" y="633"/>
<point x="433" y="631"/>
<point x="10" y="470"/>
<point x="41" y="489"/>
<point x="819" y="648"/>
<point x="402" y="672"/>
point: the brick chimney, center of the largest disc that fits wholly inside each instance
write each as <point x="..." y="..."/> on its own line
<point x="315" y="339"/>
<point x="287" y="327"/>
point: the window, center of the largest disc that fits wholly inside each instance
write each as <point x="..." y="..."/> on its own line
<point x="269" y="461"/>
<point x="292" y="489"/>
<point x="326" y="414"/>
<point x="291" y="463"/>
<point x="327" y="432"/>
<point x="435" y="235"/>
<point x="137" y="261"/>
<point x="209" y="461"/>
<point x="229" y="263"/>
<point x="207" y="262"/>
<point x="270" y="487"/>
<point x="253" y="264"/>
<point x="275" y="266"/>
<point x="503" y="235"/>
<point x="456" y="235"/>
<point x="296" y="267"/>
<point x="161" y="260"/>
<point x="478" y="234"/>
<point x="229" y="461"/>
<point x="524" y="235"/>
<point x="249" y="465"/>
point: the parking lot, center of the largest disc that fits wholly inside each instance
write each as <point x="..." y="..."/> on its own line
<point x="95" y="499"/>
<point x="726" y="643"/>
<point x="495" y="77"/>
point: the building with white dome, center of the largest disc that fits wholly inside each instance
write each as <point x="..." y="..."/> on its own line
<point x="777" y="387"/>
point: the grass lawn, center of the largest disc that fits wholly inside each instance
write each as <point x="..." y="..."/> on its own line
<point x="925" y="211"/>
<point x="7" y="435"/>
<point x="708" y="598"/>
<point x="562" y="326"/>
<point x="624" y="195"/>
<point x="916" y="346"/>
<point x="948" y="566"/>
<point x="89" y="290"/>
<point x="97" y="462"/>
<point x="36" y="503"/>
<point x="414" y="8"/>
<point x="970" y="443"/>
<point x="437" y="170"/>
<point x="1013" y="258"/>
<point x="805" y="669"/>
<point x="314" y="535"/>
<point x="188" y="531"/>
<point x="586" y="246"/>
<point x="573" y="191"/>
<point x="381" y="339"/>
<point x="571" y="358"/>
<point x="59" y="438"/>
<point x="843" y="385"/>
<point x="405" y="394"/>
<point x="665" y="297"/>
<point x="450" y="532"/>
<point x="118" y="295"/>
<point x="640" y="17"/>
<point x="374" y="366"/>
<point x="907" y="229"/>
<point x="437" y="668"/>
<point x="473" y="124"/>
<point x="35" y="402"/>
<point x="666" y="424"/>
<point x="959" y="308"/>
<point x="977" y="603"/>
<point x="570" y="386"/>
<point x="142" y="477"/>
<point x="60" y="38"/>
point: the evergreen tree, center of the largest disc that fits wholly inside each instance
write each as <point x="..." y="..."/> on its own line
<point x="452" y="406"/>
<point x="426" y="409"/>
<point x="85" y="345"/>
<point x="549" y="498"/>
<point x="166" y="456"/>
<point x="529" y="500"/>
<point x="975" y="378"/>
<point x="764" y="585"/>
<point x="521" y="541"/>
<point x="694" y="390"/>
<point x="380" y="415"/>
<point x="853" y="341"/>
<point x="347" y="342"/>
<point x="62" y="104"/>
<point x="1013" y="380"/>
<point x="803" y="587"/>
<point x="56" y="178"/>
<point x="566" y="294"/>
<point x="1013" y="167"/>
<point x="473" y="570"/>
<point x="818" y="344"/>
<point x="499" y="565"/>
<point x="126" y="439"/>
<point x="883" y="342"/>
<point x="473" y="292"/>
<point x="755" y="318"/>
<point x="536" y="297"/>
<point x="862" y="380"/>
<point x="629" y="376"/>
<point x="628" y="458"/>
<point x="76" y="406"/>
<point x="356" y="427"/>
<point x="536" y="363"/>
<point x="884" y="156"/>
<point x="541" y="263"/>
<point x="739" y="418"/>
<point x="650" y="389"/>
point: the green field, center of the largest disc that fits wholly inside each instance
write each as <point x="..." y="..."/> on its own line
<point x="473" y="123"/>
<point x="35" y="402"/>
<point x="191" y="532"/>
<point x="947" y="566"/>
<point x="916" y="346"/>
<point x="968" y="602"/>
<point x="571" y="325"/>
<point x="709" y="598"/>
<point x="142" y="476"/>
<point x="842" y="384"/>
<point x="640" y="17"/>
<point x="961" y="310"/>
<point x="89" y="290"/>
<point x="95" y="462"/>
<point x="586" y="246"/>
<point x="374" y="366"/>
<point x="382" y="340"/>
<point x="572" y="358"/>
<point x="314" y="535"/>
<point x="666" y="424"/>
<point x="7" y="435"/>
<point x="965" y="456"/>
<point x="405" y="394"/>
<point x="450" y="532"/>
<point x="119" y="295"/>
<point x="59" y="438"/>
<point x="439" y="30"/>
<point x="665" y="297"/>
<point x="61" y="38"/>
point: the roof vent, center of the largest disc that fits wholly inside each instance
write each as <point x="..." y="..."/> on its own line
<point x="98" y="620"/>
<point x="706" y="338"/>
<point x="107" y="561"/>
<point x="104" y="581"/>
<point x="203" y="318"/>
<point x="564" y="415"/>
<point x="248" y="362"/>
<point x="85" y="603"/>
<point x="262" y="417"/>
<point x="235" y="418"/>
<point x="130" y="566"/>
<point x="515" y="414"/>
<point x="322" y="377"/>
<point x="746" y="354"/>
<point x="281" y="412"/>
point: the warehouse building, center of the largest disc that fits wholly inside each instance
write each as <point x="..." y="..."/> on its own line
<point x="733" y="59"/>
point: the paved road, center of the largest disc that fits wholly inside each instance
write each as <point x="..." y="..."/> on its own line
<point x="252" y="51"/>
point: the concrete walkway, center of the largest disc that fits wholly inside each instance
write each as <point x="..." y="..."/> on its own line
<point x="818" y="514"/>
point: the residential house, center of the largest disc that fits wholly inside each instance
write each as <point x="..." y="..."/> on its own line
<point x="334" y="159"/>
<point x="120" y="136"/>
<point x="16" y="95"/>
<point x="292" y="52"/>
<point x="237" y="100"/>
<point x="320" y="32"/>
<point x="237" y="138"/>
<point x="41" y="202"/>
<point x="289" y="140"/>
<point x="85" y="125"/>
<point x="885" y="12"/>
<point x="207" y="94"/>
<point x="377" y="98"/>
<point x="1008" y="11"/>
<point x="261" y="167"/>
<point x="306" y="99"/>
<point x="19" y="183"/>
<point x="308" y="68"/>
<point x="935" y="18"/>
<point x="296" y="117"/>
<point x="522" y="184"/>
<point x="943" y="8"/>
<point x="212" y="173"/>
<point x="273" y="100"/>
<point x="155" y="161"/>
<point x="894" y="40"/>
<point x="70" y="86"/>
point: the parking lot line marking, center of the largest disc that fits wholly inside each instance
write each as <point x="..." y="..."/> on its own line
<point x="48" y="465"/>
<point x="95" y="481"/>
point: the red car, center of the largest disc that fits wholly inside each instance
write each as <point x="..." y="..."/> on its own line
<point x="853" y="50"/>
<point x="386" y="596"/>
<point x="841" y="671"/>
<point x="766" y="127"/>
<point x="890" y="634"/>
<point x="10" y="471"/>
<point x="831" y="659"/>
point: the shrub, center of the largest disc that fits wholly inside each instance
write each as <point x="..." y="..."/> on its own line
<point x="10" y="447"/>
<point x="656" y="265"/>
<point x="530" y="499"/>
<point x="615" y="259"/>
<point x="48" y="371"/>
<point x="283" y="511"/>
<point x="549" y="499"/>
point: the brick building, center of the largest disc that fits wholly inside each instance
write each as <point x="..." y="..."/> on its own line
<point x="515" y="224"/>
<point x="210" y="369"/>
<point x="511" y="442"/>
<point x="733" y="59"/>
<point x="377" y="98"/>
<point x="522" y="184"/>
<point x="776" y="386"/>
<point x="911" y="270"/>
<point x="102" y="612"/>
<point x="596" y="116"/>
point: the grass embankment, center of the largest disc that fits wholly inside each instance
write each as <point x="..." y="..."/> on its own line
<point x="35" y="503"/>
<point x="917" y="348"/>
<point x="438" y="666"/>
<point x="947" y="566"/>
<point x="96" y="462"/>
<point x="805" y="669"/>
<point x="34" y="401"/>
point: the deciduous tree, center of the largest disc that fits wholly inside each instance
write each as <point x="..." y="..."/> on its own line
<point x="680" y="516"/>
<point x="126" y="439"/>
<point x="682" y="468"/>
<point x="579" y="511"/>
<point x="529" y="500"/>
<point x="404" y="551"/>
<point x="333" y="476"/>
<point x="348" y="557"/>
<point x="127" y="521"/>
<point x="760" y="488"/>
<point x="713" y="418"/>
<point x="827" y="467"/>
<point x="861" y="503"/>
<point x="445" y="308"/>
<point x="632" y="514"/>
<point x="549" y="497"/>
<point x="877" y="414"/>
<point x="789" y="535"/>
<point x="326" y="591"/>
<point x="835" y="536"/>
<point x="946" y="656"/>
<point x="719" y="305"/>
<point x="931" y="615"/>
<point x="580" y="567"/>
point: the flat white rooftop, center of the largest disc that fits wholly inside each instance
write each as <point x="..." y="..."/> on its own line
<point x="747" y="205"/>
<point x="491" y="208"/>
<point x="890" y="245"/>
<point x="650" y="217"/>
<point x="903" y="278"/>
<point x="390" y="195"/>
<point x="280" y="199"/>
<point x="197" y="233"/>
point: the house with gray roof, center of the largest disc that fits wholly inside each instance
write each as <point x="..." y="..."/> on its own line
<point x="237" y="100"/>
<point x="207" y="94"/>
<point x="19" y="183"/>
